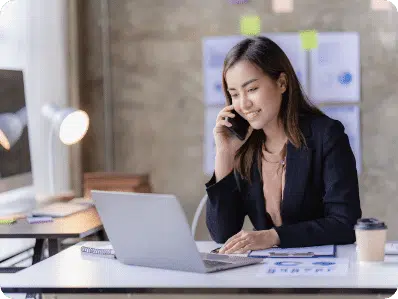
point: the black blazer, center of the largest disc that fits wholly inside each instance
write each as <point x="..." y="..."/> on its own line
<point x="320" y="203"/>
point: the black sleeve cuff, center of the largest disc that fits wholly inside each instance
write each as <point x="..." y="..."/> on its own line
<point x="284" y="236"/>
<point x="226" y="183"/>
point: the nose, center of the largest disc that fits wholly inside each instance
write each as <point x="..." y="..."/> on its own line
<point x="245" y="103"/>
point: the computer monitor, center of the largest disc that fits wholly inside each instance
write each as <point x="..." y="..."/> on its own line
<point x="15" y="162"/>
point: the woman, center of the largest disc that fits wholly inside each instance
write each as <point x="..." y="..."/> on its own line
<point x="294" y="175"/>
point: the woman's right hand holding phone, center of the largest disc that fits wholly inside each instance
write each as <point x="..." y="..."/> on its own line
<point x="224" y="140"/>
<point x="226" y="143"/>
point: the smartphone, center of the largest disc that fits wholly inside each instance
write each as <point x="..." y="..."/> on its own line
<point x="240" y="126"/>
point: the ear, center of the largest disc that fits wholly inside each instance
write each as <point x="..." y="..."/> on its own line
<point x="282" y="82"/>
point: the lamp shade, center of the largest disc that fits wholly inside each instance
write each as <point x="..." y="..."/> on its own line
<point x="11" y="127"/>
<point x="70" y="124"/>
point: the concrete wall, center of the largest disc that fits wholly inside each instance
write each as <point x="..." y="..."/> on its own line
<point x="157" y="88"/>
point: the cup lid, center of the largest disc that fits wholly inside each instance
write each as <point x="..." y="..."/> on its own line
<point x="370" y="223"/>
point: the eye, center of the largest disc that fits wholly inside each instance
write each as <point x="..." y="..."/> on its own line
<point x="234" y="95"/>
<point x="252" y="89"/>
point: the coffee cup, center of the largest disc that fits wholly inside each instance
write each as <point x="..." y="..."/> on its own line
<point x="371" y="235"/>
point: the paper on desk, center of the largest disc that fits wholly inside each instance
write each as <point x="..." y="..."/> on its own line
<point x="305" y="267"/>
<point x="326" y="250"/>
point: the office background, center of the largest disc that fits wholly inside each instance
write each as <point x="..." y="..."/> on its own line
<point x="157" y="88"/>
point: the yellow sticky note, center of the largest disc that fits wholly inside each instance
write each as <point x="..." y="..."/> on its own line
<point x="380" y="5"/>
<point x="309" y="39"/>
<point x="250" y="25"/>
<point x="7" y="221"/>
<point x="282" y="6"/>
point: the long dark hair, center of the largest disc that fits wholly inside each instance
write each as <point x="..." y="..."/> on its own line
<point x="270" y="58"/>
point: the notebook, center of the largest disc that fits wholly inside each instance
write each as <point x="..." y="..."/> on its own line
<point x="100" y="251"/>
<point x="314" y="251"/>
<point x="32" y="219"/>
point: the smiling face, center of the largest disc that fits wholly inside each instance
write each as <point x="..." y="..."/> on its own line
<point x="255" y="96"/>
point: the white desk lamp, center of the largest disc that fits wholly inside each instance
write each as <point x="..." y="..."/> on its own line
<point x="11" y="127"/>
<point x="69" y="124"/>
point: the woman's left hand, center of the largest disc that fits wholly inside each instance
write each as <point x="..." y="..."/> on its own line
<point x="244" y="241"/>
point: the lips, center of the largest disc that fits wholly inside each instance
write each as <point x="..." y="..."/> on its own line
<point x="251" y="115"/>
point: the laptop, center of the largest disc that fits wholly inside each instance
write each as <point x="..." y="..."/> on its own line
<point x="151" y="230"/>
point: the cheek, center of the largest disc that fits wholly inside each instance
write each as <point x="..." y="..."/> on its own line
<point x="270" y="100"/>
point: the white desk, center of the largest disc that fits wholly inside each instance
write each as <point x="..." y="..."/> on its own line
<point x="70" y="272"/>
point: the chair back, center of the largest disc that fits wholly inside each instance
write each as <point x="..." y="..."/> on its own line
<point x="197" y="214"/>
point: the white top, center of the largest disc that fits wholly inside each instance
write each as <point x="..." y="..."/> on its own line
<point x="70" y="270"/>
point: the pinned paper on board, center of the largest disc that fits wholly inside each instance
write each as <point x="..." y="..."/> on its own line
<point x="250" y="25"/>
<point x="335" y="68"/>
<point x="215" y="50"/>
<point x="290" y="43"/>
<point x="282" y="6"/>
<point x="309" y="39"/>
<point x="382" y="4"/>
<point x="209" y="143"/>
<point x="349" y="116"/>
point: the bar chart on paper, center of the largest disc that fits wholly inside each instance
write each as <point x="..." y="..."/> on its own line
<point x="305" y="267"/>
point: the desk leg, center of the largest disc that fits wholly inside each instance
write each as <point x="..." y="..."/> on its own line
<point x="37" y="257"/>
<point x="53" y="246"/>
<point x="37" y="251"/>
<point x="102" y="235"/>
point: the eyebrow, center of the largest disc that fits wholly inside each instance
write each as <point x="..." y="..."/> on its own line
<point x="244" y="84"/>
